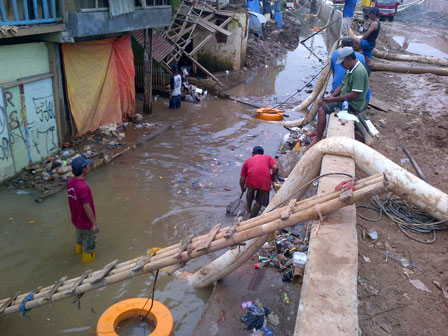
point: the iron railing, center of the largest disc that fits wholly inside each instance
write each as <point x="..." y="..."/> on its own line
<point x="26" y="12"/>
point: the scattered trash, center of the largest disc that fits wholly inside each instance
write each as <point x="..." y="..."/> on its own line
<point x="299" y="259"/>
<point x="372" y="234"/>
<point x="254" y="318"/>
<point x="418" y="284"/>
<point x="222" y="317"/>
<point x="366" y="259"/>
<point x="246" y="304"/>
<point x="285" y="298"/>
<point x="442" y="286"/>
<point x="31" y="222"/>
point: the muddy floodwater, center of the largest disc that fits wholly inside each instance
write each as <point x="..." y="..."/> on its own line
<point x="156" y="196"/>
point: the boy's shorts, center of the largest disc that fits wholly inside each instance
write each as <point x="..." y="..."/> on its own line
<point x="367" y="48"/>
<point x="87" y="239"/>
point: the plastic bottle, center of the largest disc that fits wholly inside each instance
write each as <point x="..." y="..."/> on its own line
<point x="285" y="298"/>
<point x="345" y="105"/>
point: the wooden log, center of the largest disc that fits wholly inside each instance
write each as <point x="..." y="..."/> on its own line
<point x="312" y="113"/>
<point x="409" y="68"/>
<point x="317" y="88"/>
<point x="410" y="58"/>
<point x="310" y="213"/>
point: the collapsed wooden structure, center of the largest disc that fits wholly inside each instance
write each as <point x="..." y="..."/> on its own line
<point x="188" y="22"/>
<point x="178" y="254"/>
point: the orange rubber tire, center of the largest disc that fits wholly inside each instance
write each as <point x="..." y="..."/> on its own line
<point x="270" y="116"/>
<point x="269" y="113"/>
<point x="129" y="308"/>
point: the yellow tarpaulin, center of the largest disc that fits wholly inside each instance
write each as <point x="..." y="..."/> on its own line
<point x="100" y="82"/>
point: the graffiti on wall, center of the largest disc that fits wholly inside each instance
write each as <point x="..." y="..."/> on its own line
<point x="4" y="141"/>
<point x="28" y="123"/>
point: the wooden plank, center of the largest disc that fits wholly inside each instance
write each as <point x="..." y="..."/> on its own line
<point x="206" y="26"/>
<point x="105" y="271"/>
<point x="382" y="106"/>
<point x="208" y="38"/>
<point x="78" y="282"/>
<point x="55" y="287"/>
<point x="211" y="235"/>
<point x="328" y="299"/>
<point x="7" y="303"/>
<point x="25" y="80"/>
<point x="288" y="211"/>
<point x="213" y="26"/>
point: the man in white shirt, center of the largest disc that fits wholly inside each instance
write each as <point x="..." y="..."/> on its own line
<point x="175" y="88"/>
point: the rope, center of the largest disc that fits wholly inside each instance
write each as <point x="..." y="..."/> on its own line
<point x="298" y="90"/>
<point x="408" y="218"/>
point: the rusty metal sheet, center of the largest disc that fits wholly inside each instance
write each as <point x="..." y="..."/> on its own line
<point x="160" y="47"/>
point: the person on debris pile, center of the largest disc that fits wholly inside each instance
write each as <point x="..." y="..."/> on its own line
<point x="82" y="210"/>
<point x="175" y="88"/>
<point x="347" y="15"/>
<point x="256" y="174"/>
<point x="338" y="70"/>
<point x="353" y="89"/>
<point x="368" y="41"/>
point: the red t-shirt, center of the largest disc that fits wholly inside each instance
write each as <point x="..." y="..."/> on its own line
<point x="257" y="170"/>
<point x="79" y="193"/>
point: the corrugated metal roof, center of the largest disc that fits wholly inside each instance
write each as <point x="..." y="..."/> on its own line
<point x="160" y="47"/>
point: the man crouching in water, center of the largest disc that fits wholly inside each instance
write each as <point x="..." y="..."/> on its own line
<point x="256" y="174"/>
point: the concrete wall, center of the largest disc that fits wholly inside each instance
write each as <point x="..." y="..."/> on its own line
<point x="22" y="60"/>
<point x="100" y="23"/>
<point x="229" y="55"/>
<point x="328" y="12"/>
<point x="28" y="131"/>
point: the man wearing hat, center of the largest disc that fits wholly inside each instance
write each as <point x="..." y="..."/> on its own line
<point x="368" y="41"/>
<point x="338" y="71"/>
<point x="175" y="88"/>
<point x="353" y="89"/>
<point x="257" y="174"/>
<point x="82" y="210"/>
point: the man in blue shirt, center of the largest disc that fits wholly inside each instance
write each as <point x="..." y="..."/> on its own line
<point x="338" y="70"/>
<point x="347" y="15"/>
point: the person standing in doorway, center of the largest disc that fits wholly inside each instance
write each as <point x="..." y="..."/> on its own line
<point x="257" y="175"/>
<point x="175" y="88"/>
<point x="347" y="15"/>
<point x="82" y="210"/>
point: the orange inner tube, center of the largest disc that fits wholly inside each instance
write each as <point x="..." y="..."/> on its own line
<point x="126" y="309"/>
<point x="268" y="113"/>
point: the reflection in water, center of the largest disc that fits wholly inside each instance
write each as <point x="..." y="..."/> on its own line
<point x="155" y="196"/>
<point x="421" y="48"/>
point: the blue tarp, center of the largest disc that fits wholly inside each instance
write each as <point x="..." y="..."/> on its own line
<point x="279" y="18"/>
<point x="254" y="23"/>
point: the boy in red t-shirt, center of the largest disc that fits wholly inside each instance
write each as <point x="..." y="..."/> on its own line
<point x="82" y="209"/>
<point x="257" y="176"/>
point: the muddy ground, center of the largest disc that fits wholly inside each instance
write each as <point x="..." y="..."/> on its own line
<point x="416" y="117"/>
<point x="274" y="42"/>
<point x="432" y="14"/>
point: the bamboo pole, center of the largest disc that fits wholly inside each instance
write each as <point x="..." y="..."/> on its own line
<point x="312" y="113"/>
<point x="415" y="58"/>
<point x="409" y="68"/>
<point x="317" y="88"/>
<point x="175" y="249"/>
<point x="218" y="244"/>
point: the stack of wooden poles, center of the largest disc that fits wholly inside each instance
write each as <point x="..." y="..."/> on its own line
<point x="218" y="238"/>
